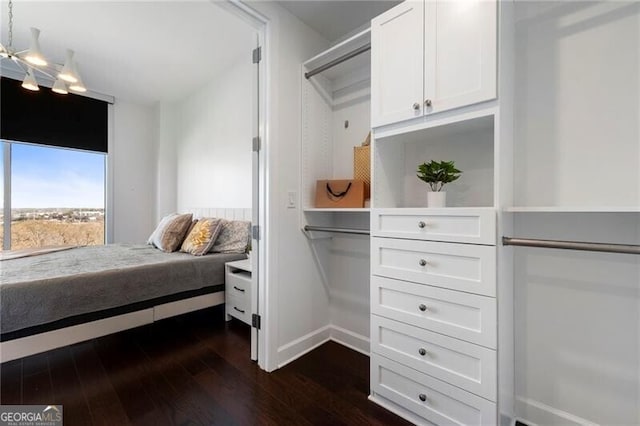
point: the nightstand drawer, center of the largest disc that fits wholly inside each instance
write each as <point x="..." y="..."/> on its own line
<point x="238" y="283"/>
<point x="465" y="316"/>
<point x="428" y="397"/>
<point x="464" y="267"/>
<point x="476" y="226"/>
<point x="463" y="364"/>
<point x="238" y="307"/>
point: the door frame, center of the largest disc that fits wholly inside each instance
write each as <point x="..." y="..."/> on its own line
<point x="268" y="331"/>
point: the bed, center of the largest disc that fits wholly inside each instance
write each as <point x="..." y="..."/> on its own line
<point x="57" y="298"/>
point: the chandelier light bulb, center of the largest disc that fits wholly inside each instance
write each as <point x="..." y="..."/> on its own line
<point x="34" y="55"/>
<point x="78" y="86"/>
<point x="29" y="81"/>
<point x="59" y="87"/>
<point x="68" y="72"/>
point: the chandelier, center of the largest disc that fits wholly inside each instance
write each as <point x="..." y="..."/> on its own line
<point x="33" y="63"/>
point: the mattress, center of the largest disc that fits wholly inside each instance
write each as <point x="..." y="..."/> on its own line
<point x="58" y="289"/>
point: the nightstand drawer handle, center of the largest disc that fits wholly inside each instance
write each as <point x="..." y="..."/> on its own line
<point x="422" y="351"/>
<point x="239" y="289"/>
<point x="422" y="262"/>
<point x="422" y="307"/>
<point x="239" y="310"/>
<point x="421" y="224"/>
<point x="422" y="397"/>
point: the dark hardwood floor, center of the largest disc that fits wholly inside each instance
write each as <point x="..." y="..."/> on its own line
<point x="193" y="370"/>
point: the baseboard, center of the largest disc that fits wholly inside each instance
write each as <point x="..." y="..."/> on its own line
<point x="355" y="341"/>
<point x="532" y="412"/>
<point x="30" y="345"/>
<point x="305" y="344"/>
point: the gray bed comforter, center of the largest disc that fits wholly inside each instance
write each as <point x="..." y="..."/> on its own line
<point x="41" y="289"/>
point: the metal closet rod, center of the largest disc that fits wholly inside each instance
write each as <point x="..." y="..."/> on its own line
<point x="337" y="61"/>
<point x="337" y="230"/>
<point x="572" y="245"/>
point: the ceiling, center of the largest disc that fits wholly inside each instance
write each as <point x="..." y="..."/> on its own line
<point x="334" y="19"/>
<point x="138" y="51"/>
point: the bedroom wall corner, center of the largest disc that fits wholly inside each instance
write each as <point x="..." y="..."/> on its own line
<point x="133" y="168"/>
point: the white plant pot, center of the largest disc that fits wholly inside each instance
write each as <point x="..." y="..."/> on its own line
<point x="436" y="199"/>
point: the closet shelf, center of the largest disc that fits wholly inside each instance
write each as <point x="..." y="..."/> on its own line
<point x="345" y="210"/>
<point x="568" y="209"/>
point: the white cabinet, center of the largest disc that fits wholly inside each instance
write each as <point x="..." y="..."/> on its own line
<point x="434" y="314"/>
<point x="397" y="46"/>
<point x="432" y="56"/>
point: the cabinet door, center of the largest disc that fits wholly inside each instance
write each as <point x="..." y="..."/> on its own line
<point x="397" y="46"/>
<point x="460" y="53"/>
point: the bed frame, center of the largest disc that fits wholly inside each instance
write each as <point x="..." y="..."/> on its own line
<point x="30" y="345"/>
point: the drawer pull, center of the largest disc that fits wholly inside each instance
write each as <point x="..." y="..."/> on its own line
<point x="421" y="224"/>
<point x="239" y="310"/>
<point x="422" y="351"/>
<point x="238" y="288"/>
<point x="422" y="262"/>
<point x="422" y="397"/>
<point x="422" y="307"/>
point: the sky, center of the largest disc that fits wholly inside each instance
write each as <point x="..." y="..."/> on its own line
<point x="53" y="177"/>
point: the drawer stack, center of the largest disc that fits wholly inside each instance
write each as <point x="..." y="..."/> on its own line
<point x="238" y="291"/>
<point x="433" y="314"/>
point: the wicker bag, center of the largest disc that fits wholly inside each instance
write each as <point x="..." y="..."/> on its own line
<point x="362" y="167"/>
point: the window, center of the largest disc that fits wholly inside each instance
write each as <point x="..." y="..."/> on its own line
<point x="57" y="196"/>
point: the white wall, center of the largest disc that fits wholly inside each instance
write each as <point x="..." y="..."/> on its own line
<point x="133" y="167"/>
<point x="577" y="112"/>
<point x="213" y="143"/>
<point x="204" y="143"/>
<point x="577" y="322"/>
<point x="296" y="294"/>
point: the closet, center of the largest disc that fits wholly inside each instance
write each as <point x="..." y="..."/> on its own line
<point x="335" y="118"/>
<point x="519" y="300"/>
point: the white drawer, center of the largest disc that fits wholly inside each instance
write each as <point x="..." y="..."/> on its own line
<point x="464" y="267"/>
<point x="464" y="316"/>
<point x="476" y="226"/>
<point x="463" y="364"/>
<point x="238" y="283"/>
<point x="443" y="403"/>
<point x="238" y="308"/>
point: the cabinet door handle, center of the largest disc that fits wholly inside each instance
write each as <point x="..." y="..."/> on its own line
<point x="422" y="397"/>
<point x="421" y="224"/>
<point x="427" y="102"/>
<point x="416" y="106"/>
<point x="422" y="351"/>
<point x="422" y="307"/>
<point x="239" y="310"/>
<point x="423" y="262"/>
<point x="238" y="288"/>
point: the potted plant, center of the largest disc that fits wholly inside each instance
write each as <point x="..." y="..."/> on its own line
<point x="437" y="174"/>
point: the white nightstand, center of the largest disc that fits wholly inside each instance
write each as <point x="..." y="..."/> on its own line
<point x="238" y="290"/>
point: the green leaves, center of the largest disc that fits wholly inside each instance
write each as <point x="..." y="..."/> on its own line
<point x="438" y="173"/>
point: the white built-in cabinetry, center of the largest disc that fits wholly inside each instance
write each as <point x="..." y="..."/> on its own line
<point x="434" y="271"/>
<point x="432" y="56"/>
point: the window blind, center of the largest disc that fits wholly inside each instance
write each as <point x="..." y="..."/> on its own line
<point x="48" y="118"/>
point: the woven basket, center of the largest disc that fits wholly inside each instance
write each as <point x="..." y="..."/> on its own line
<point x="362" y="166"/>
